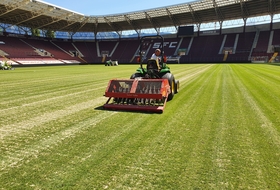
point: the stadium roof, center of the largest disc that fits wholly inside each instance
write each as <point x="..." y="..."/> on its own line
<point x="41" y="15"/>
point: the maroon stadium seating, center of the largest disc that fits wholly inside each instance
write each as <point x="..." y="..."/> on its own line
<point x="204" y="48"/>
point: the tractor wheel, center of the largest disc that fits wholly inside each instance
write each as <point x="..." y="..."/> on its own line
<point x="171" y="82"/>
<point x="136" y="75"/>
<point x="177" y="86"/>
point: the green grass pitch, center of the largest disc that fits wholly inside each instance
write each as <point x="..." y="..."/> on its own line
<point x="221" y="131"/>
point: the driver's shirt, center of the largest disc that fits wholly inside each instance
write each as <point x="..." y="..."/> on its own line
<point x="155" y="57"/>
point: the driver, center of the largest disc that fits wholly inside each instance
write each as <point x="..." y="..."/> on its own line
<point x="156" y="55"/>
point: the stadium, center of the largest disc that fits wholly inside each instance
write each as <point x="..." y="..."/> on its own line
<point x="221" y="131"/>
<point x="55" y="35"/>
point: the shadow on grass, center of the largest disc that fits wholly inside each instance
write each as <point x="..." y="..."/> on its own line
<point x="101" y="108"/>
<point x="275" y="64"/>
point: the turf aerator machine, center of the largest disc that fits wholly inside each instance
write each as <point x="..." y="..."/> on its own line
<point x="148" y="89"/>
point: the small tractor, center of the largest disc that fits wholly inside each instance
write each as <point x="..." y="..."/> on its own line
<point x="5" y="66"/>
<point x="111" y="63"/>
<point x="148" y="89"/>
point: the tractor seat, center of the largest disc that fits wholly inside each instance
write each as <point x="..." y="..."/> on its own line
<point x="152" y="64"/>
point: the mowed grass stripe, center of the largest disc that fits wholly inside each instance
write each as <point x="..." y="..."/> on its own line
<point x="209" y="137"/>
<point x="265" y="110"/>
<point x="35" y="100"/>
<point x="201" y="121"/>
<point x="266" y="87"/>
<point x="232" y="132"/>
<point x="49" y="97"/>
<point x="28" y="111"/>
<point x="265" y="133"/>
<point x="118" y="161"/>
<point x="104" y="144"/>
<point x="16" y="157"/>
<point x="40" y="119"/>
<point x="255" y="157"/>
<point x="189" y="71"/>
<point x="18" y="136"/>
<point x="41" y="85"/>
<point x="229" y="119"/>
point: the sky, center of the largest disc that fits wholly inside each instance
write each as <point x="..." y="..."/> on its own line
<point x="107" y="7"/>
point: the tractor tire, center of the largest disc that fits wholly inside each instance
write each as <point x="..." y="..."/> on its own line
<point x="136" y="75"/>
<point x="177" y="86"/>
<point x="171" y="82"/>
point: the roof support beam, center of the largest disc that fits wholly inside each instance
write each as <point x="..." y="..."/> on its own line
<point x="77" y="25"/>
<point x="13" y="6"/>
<point x="95" y="27"/>
<point x="54" y="20"/>
<point x="244" y="13"/>
<point x="244" y="9"/>
<point x="175" y="22"/>
<point x="18" y="18"/>
<point x="219" y="14"/>
<point x="154" y="24"/>
<point x="113" y="26"/>
<point x="272" y="9"/>
<point x="195" y="17"/>
<point x="84" y="20"/>
<point x="271" y="6"/>
<point x="66" y="26"/>
<point x="133" y="24"/>
<point x="34" y="15"/>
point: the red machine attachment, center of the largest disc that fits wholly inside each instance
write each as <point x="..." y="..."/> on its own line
<point x="137" y="94"/>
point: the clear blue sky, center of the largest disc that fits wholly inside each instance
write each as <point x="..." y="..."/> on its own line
<point x="105" y="7"/>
